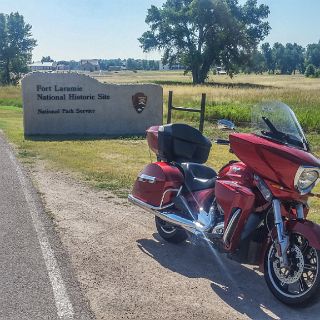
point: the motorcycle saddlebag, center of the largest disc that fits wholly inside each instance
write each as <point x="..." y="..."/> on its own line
<point x="178" y="142"/>
<point x="157" y="184"/>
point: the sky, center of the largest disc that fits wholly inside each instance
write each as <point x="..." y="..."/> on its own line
<point x="105" y="29"/>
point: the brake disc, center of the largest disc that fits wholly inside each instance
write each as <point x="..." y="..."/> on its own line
<point x="293" y="273"/>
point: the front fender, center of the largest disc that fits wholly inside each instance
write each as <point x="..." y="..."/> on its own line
<point x="306" y="228"/>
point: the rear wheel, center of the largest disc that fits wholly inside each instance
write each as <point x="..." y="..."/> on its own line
<point x="298" y="283"/>
<point x="170" y="232"/>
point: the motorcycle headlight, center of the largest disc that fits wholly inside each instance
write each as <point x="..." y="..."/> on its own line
<point x="306" y="178"/>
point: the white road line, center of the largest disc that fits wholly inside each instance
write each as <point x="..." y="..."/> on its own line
<point x="63" y="304"/>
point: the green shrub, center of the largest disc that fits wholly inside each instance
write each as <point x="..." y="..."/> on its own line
<point x="317" y="74"/>
<point x="310" y="71"/>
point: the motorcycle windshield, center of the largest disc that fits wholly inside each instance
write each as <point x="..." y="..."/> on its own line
<point x="276" y="121"/>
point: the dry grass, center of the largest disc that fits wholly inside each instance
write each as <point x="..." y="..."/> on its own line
<point x="10" y="92"/>
<point x="276" y="81"/>
<point x="140" y="76"/>
<point x="10" y="96"/>
<point x="232" y="98"/>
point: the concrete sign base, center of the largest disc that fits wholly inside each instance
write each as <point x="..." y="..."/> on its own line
<point x="78" y="105"/>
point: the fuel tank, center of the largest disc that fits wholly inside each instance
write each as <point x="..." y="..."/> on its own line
<point x="157" y="184"/>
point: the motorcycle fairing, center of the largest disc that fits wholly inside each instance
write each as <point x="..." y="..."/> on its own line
<point x="273" y="161"/>
<point x="232" y="196"/>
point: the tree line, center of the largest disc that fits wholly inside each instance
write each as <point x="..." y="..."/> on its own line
<point x="105" y="64"/>
<point x="284" y="59"/>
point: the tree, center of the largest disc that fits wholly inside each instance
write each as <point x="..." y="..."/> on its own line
<point x="268" y="57"/>
<point x="288" y="58"/>
<point x="310" y="71"/>
<point x="145" y="65"/>
<point x="74" y="65"/>
<point x="278" y="50"/>
<point x="131" y="64"/>
<point x="16" y="45"/>
<point x="295" y="58"/>
<point x="201" y="33"/>
<point x="47" y="59"/>
<point x="313" y="54"/>
<point x="256" y="63"/>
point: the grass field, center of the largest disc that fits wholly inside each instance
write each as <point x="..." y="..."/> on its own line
<point x="113" y="164"/>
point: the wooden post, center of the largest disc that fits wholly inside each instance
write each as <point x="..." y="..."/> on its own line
<point x="202" y="112"/>
<point x="169" y="107"/>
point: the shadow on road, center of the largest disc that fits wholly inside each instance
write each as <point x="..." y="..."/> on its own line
<point x="241" y="288"/>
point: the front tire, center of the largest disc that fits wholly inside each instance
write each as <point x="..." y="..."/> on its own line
<point x="301" y="281"/>
<point x="170" y="232"/>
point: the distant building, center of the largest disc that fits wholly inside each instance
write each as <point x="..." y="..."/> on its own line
<point x="90" y="65"/>
<point x="43" y="66"/>
<point x="62" y="67"/>
<point x="220" y="71"/>
<point x="115" y="68"/>
<point x="172" y="67"/>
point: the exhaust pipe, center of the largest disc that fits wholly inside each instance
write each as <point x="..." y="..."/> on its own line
<point x="190" y="225"/>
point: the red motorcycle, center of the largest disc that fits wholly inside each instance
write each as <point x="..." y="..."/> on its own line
<point x="254" y="209"/>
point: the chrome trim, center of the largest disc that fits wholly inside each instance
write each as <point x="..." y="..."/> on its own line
<point x="230" y="224"/>
<point x="283" y="239"/>
<point x="168" y="190"/>
<point x="298" y="174"/>
<point x="145" y="178"/>
<point x="168" y="217"/>
<point x="144" y="205"/>
<point x="173" y="218"/>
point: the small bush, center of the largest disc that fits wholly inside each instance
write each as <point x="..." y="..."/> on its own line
<point x="317" y="74"/>
<point x="310" y="71"/>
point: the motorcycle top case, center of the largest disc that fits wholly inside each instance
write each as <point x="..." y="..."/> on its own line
<point x="157" y="184"/>
<point x="179" y="143"/>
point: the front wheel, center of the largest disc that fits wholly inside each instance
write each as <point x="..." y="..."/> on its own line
<point x="170" y="232"/>
<point x="298" y="283"/>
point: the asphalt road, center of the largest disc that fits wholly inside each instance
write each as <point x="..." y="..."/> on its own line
<point x="36" y="280"/>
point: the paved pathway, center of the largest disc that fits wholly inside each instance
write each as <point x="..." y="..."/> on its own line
<point x="35" y="277"/>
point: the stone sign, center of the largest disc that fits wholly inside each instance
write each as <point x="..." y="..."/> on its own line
<point x="74" y="104"/>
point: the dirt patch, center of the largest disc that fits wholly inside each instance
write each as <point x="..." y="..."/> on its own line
<point x="128" y="272"/>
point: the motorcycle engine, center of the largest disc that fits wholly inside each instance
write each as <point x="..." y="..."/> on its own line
<point x="218" y="219"/>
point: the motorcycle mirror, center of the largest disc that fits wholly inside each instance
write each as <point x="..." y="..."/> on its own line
<point x="225" y="124"/>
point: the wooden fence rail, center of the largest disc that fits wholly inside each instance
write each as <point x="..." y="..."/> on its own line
<point x="201" y="110"/>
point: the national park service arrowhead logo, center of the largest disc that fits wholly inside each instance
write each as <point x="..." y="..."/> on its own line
<point x="139" y="101"/>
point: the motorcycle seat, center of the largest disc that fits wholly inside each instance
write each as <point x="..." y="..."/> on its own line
<point x="198" y="176"/>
